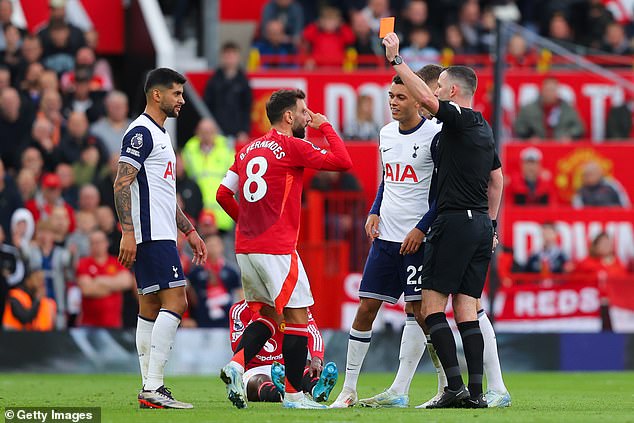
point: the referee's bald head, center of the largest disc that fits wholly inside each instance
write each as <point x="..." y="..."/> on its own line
<point x="465" y="77"/>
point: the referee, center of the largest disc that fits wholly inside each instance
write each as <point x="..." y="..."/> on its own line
<point x="461" y="240"/>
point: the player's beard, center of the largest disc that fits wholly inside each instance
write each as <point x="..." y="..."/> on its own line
<point x="299" y="131"/>
<point x="170" y="111"/>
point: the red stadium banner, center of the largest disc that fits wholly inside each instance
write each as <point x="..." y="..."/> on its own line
<point x="335" y="93"/>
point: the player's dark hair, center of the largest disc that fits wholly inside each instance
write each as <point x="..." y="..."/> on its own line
<point x="162" y="77"/>
<point x="281" y="101"/>
<point x="397" y="80"/>
<point x="429" y="73"/>
<point x="465" y="77"/>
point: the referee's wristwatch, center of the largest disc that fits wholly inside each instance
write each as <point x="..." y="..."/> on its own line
<point x="397" y="60"/>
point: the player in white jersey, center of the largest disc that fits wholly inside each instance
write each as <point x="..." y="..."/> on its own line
<point x="397" y="227"/>
<point x="145" y="199"/>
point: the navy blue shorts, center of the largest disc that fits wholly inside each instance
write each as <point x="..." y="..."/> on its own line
<point x="157" y="266"/>
<point x="388" y="274"/>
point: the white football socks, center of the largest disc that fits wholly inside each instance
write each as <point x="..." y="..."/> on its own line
<point x="412" y="349"/>
<point x="492" y="368"/>
<point x="358" y="345"/>
<point x="163" y="336"/>
<point x="442" y="377"/>
<point x="143" y="344"/>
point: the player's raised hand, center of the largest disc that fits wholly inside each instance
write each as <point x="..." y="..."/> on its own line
<point x="316" y="119"/>
<point x="412" y="241"/>
<point x="198" y="247"/>
<point x="391" y="43"/>
<point x="372" y="226"/>
<point x="127" y="249"/>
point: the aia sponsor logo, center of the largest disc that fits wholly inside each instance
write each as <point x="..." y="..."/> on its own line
<point x="398" y="172"/>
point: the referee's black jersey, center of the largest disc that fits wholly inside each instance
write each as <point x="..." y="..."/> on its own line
<point x="466" y="156"/>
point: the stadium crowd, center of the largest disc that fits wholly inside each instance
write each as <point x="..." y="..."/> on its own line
<point x="62" y="119"/>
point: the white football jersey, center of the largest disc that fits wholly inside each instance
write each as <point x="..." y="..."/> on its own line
<point x="407" y="172"/>
<point x="148" y="147"/>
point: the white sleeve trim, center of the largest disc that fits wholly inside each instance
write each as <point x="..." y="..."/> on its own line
<point x="131" y="161"/>
<point x="231" y="180"/>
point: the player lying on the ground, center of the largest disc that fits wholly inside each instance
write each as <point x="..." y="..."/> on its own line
<point x="264" y="377"/>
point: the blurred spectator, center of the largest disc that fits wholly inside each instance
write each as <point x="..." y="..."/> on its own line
<point x="207" y="224"/>
<point x="591" y="27"/>
<point x="454" y="41"/>
<point x="228" y="94"/>
<point x="549" y="117"/>
<point x="289" y="13"/>
<point x="42" y="139"/>
<point x="48" y="81"/>
<point x="5" y="77"/>
<point x="56" y="262"/>
<point x="188" y="190"/>
<point x="10" y="54"/>
<point x="28" y="308"/>
<point x="60" y="218"/>
<point x="274" y="47"/>
<point x="374" y="11"/>
<point x="31" y="53"/>
<point x="420" y="52"/>
<point x="486" y="32"/>
<point x="550" y="258"/>
<point x="82" y="99"/>
<point x="469" y="24"/>
<point x="49" y="197"/>
<point x="77" y="140"/>
<point x="560" y="32"/>
<point x="366" y="43"/>
<point x="102" y="279"/>
<point x="101" y="74"/>
<point x="111" y="128"/>
<point x="11" y="269"/>
<point x="79" y="241"/>
<point x="32" y="160"/>
<point x="213" y="287"/>
<point x="50" y="108"/>
<point x="619" y="120"/>
<point x="327" y="181"/>
<point x="415" y="15"/>
<point x="518" y="53"/>
<point x="70" y="190"/>
<point x="325" y="41"/>
<point x="363" y="126"/>
<point x="615" y="40"/>
<point x="207" y="157"/>
<point x="26" y="183"/>
<point x="22" y="229"/>
<point x="598" y="191"/>
<point x="533" y="185"/>
<point x="88" y="198"/>
<point x="60" y="46"/>
<point x="30" y="88"/>
<point x="601" y="260"/>
<point x="108" y="224"/>
<point x="14" y="127"/>
<point x="10" y="199"/>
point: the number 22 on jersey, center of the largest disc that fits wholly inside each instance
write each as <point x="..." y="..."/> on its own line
<point x="255" y="179"/>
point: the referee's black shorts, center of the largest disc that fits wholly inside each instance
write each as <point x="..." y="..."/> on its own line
<point x="458" y="252"/>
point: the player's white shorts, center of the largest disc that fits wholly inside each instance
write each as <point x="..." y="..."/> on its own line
<point x="259" y="370"/>
<point x="278" y="280"/>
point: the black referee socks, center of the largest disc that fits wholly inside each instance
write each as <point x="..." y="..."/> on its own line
<point x="473" y="344"/>
<point x="442" y="338"/>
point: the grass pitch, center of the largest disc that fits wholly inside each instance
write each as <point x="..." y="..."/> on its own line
<point x="537" y="397"/>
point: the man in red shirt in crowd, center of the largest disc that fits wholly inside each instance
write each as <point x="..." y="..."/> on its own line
<point x="533" y="186"/>
<point x="48" y="198"/>
<point x="101" y="279"/>
<point x="264" y="374"/>
<point x="268" y="175"/>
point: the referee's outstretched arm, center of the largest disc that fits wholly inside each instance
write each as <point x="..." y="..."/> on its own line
<point x="416" y="86"/>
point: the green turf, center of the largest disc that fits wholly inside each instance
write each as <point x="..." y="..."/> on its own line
<point x="537" y="397"/>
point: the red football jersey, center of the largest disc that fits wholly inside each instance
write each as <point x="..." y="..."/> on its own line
<point x="270" y="171"/>
<point x="241" y="315"/>
<point x="106" y="311"/>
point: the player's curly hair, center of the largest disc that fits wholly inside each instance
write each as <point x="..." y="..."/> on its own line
<point x="281" y="101"/>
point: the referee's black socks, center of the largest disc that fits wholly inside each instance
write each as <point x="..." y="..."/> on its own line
<point x="442" y="338"/>
<point x="473" y="344"/>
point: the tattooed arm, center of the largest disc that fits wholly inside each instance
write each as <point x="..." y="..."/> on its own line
<point x="126" y="173"/>
<point x="195" y="241"/>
